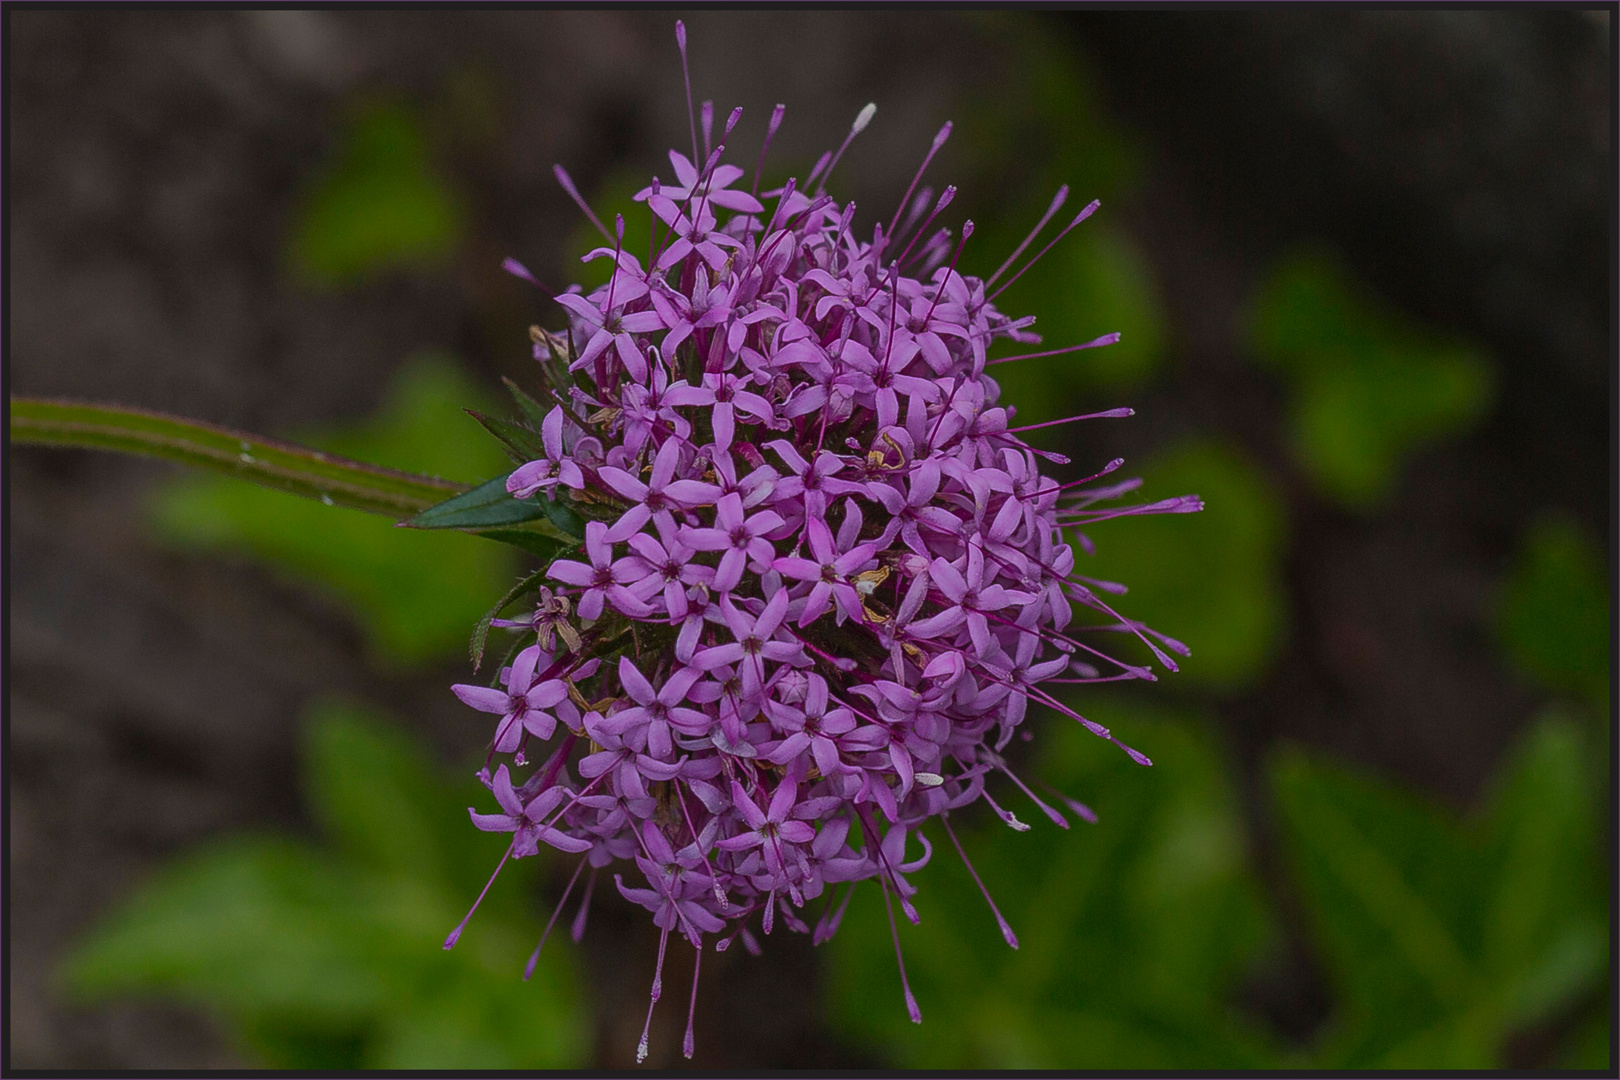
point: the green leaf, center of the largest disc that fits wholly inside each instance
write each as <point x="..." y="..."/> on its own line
<point x="1369" y="388"/>
<point x="1211" y="579"/>
<point x="1554" y="612"/>
<point x="532" y="409"/>
<point x="525" y="445"/>
<point x="380" y="205"/>
<point x="1132" y="932"/>
<point x="1444" y="936"/>
<point x="481" y="631"/>
<point x="1545" y="931"/>
<point x="415" y="594"/>
<point x="313" y="474"/>
<point x="486" y="506"/>
<point x="331" y="958"/>
<point x="540" y="544"/>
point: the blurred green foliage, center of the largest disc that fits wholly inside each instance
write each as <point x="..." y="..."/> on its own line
<point x="328" y="956"/>
<point x="1368" y="387"/>
<point x="1554" y="613"/>
<point x="1443" y="937"/>
<point x="380" y="205"/>
<point x="416" y="594"/>
<point x="1132" y="932"/>
<point x="1211" y="579"/>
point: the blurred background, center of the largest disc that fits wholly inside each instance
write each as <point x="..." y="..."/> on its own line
<point x="1361" y="264"/>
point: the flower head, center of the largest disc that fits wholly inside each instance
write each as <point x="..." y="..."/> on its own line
<point x="821" y="577"/>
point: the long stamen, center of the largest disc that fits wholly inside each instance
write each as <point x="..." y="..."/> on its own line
<point x="919" y="206"/>
<point x="1055" y="817"/>
<point x="707" y="114"/>
<point x="906" y="907"/>
<point x="899" y="959"/>
<point x="1090" y="209"/>
<point x="826" y="928"/>
<point x="1005" y="815"/>
<point x="1006" y="930"/>
<point x="1057" y="203"/>
<point x="618" y="247"/>
<point x="689" y="1044"/>
<point x="657" y="992"/>
<point x="528" y="969"/>
<point x="770" y="133"/>
<point x="1106" y="469"/>
<point x="862" y="118"/>
<point x="815" y="172"/>
<point x="686" y="74"/>
<point x="1108" y="414"/>
<point x="1081" y="810"/>
<point x="576" y="930"/>
<point x="518" y="270"/>
<point x="719" y="892"/>
<point x="945" y="198"/>
<point x="1094" y="343"/>
<point x="967" y="231"/>
<point x="939" y="141"/>
<point x="455" y="935"/>
<point x="567" y="183"/>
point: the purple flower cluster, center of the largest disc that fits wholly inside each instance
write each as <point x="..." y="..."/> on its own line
<point x="821" y="575"/>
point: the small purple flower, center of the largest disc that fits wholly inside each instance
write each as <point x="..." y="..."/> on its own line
<point x="830" y="571"/>
<point x="603" y="580"/>
<point x="656" y="498"/>
<point x="522" y="704"/>
<point x="527" y="821"/>
<point x="740" y="538"/>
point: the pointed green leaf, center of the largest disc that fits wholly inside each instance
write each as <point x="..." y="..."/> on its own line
<point x="330" y="959"/>
<point x="1554" y="614"/>
<point x="481" y="632"/>
<point x="524" y="444"/>
<point x="1392" y="887"/>
<point x="536" y="543"/>
<point x="314" y="474"/>
<point x="532" y="409"/>
<point x="1545" y="934"/>
<point x="381" y="205"/>
<point x="1369" y="387"/>
<point x="487" y="506"/>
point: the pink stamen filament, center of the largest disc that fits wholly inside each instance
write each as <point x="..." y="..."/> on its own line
<point x="1090" y="209"/>
<point x="1094" y="343"/>
<point x="528" y="969"/>
<point x="1057" y="204"/>
<point x="1006" y="930"/>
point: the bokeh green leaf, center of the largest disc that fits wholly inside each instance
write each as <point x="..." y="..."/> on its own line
<point x="1368" y="387"/>
<point x="380" y="205"/>
<point x="329" y="957"/>
<point x="1554" y="613"/>
<point x="417" y="594"/>
<point x="1443" y="936"/>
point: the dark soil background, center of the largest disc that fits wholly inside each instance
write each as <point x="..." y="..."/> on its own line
<point x="1461" y="161"/>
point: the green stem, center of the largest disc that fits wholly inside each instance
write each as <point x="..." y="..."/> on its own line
<point x="285" y="466"/>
